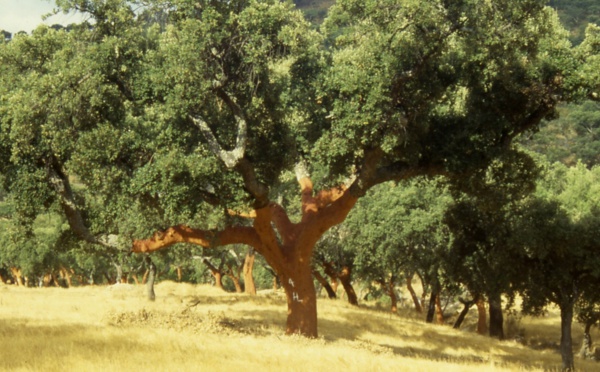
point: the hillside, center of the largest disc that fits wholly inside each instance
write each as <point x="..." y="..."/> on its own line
<point x="201" y="328"/>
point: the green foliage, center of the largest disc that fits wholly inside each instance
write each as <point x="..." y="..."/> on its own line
<point x="396" y="230"/>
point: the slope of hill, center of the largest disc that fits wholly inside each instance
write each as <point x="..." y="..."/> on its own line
<point x="201" y="328"/>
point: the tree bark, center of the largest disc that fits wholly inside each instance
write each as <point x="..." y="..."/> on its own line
<point x="587" y="351"/>
<point x="466" y="307"/>
<point x="286" y="246"/>
<point x="216" y="273"/>
<point x="394" y="299"/>
<point x="249" y="286"/>
<point x="431" y="307"/>
<point x="151" y="277"/>
<point x="566" y="341"/>
<point x="438" y="310"/>
<point x="330" y="293"/>
<point x="345" y="276"/>
<point x="413" y="295"/>
<point x="496" y="316"/>
<point x="17" y="276"/>
<point x="179" y="274"/>
<point x="481" y="316"/>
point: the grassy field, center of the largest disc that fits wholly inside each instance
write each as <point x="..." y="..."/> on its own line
<point x="200" y="328"/>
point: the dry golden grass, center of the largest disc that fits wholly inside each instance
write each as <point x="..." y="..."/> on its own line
<point x="200" y="328"/>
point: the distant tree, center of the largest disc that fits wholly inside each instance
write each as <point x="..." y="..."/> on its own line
<point x="557" y="232"/>
<point x="5" y="36"/>
<point x="481" y="220"/>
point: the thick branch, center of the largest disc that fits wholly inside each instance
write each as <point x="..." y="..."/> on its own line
<point x="207" y="239"/>
<point x="232" y="157"/>
<point x="60" y="183"/>
<point x="282" y="222"/>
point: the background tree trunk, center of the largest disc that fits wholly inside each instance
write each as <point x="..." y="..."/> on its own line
<point x="566" y="341"/>
<point x="151" y="277"/>
<point x="438" y="310"/>
<point x="330" y="293"/>
<point x="17" y="276"/>
<point x="496" y="317"/>
<point x="461" y="317"/>
<point x="586" y="351"/>
<point x="345" y="277"/>
<point x="250" y="286"/>
<point x="393" y="297"/>
<point x="431" y="307"/>
<point x="413" y="295"/>
<point x="481" y="316"/>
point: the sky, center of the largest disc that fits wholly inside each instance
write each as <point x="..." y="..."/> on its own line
<point x="26" y="15"/>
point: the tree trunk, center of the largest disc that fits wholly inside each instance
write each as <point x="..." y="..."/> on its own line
<point x="345" y="277"/>
<point x="179" y="274"/>
<point x="216" y="273"/>
<point x="431" y="307"/>
<point x="286" y="246"/>
<point x="587" y="351"/>
<point x="236" y="283"/>
<point x="496" y="317"/>
<point x="481" y="316"/>
<point x="466" y="306"/>
<point x="438" y="310"/>
<point x="301" y="300"/>
<point x="330" y="293"/>
<point x="151" y="277"/>
<point x="17" y="276"/>
<point x="66" y="274"/>
<point x="566" y="341"/>
<point x="394" y="299"/>
<point x="249" y="286"/>
<point x="413" y="295"/>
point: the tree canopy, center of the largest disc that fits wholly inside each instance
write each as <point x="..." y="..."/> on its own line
<point x="196" y="119"/>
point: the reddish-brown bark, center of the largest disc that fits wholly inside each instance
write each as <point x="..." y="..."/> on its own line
<point x="66" y="274"/>
<point x="439" y="313"/>
<point x="289" y="251"/>
<point x="321" y="279"/>
<point x="216" y="273"/>
<point x="345" y="277"/>
<point x="482" y="319"/>
<point x="249" y="286"/>
<point x="17" y="276"/>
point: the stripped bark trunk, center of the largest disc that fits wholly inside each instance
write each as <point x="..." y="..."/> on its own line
<point x="286" y="246"/>
<point x="481" y="316"/>
<point x="439" y="313"/>
<point x="249" y="286"/>
<point x="413" y="295"/>
<point x="393" y="297"/>
<point x="216" y="273"/>
<point x="17" y="276"/>
<point x="345" y="276"/>
<point x="66" y="274"/>
<point x="321" y="279"/>
<point x="179" y="273"/>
